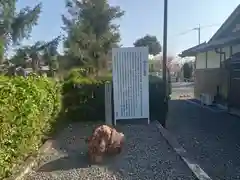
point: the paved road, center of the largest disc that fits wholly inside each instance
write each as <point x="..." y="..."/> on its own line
<point x="182" y="84"/>
<point x="181" y="89"/>
<point x="147" y="156"/>
<point x="211" y="139"/>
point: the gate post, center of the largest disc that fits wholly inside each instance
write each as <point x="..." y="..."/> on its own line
<point x="108" y="103"/>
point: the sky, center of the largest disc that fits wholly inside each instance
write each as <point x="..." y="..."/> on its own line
<point x="146" y="17"/>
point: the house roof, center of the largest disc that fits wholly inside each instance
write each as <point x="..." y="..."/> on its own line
<point x="229" y="26"/>
<point x="227" y="34"/>
<point x="192" y="51"/>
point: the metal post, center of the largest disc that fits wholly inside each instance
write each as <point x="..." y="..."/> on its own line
<point x="165" y="24"/>
<point x="199" y="34"/>
<point x="198" y="29"/>
<point x="165" y="42"/>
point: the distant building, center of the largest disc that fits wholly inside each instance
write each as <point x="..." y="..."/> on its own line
<point x="217" y="63"/>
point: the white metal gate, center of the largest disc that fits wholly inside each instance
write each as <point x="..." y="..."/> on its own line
<point x="130" y="83"/>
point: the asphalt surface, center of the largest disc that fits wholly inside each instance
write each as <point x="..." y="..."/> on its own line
<point x="146" y="156"/>
<point x="210" y="138"/>
<point x="182" y="84"/>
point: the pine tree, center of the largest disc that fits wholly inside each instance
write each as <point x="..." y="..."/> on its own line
<point x="46" y="52"/>
<point x="15" y="26"/>
<point x="91" y="32"/>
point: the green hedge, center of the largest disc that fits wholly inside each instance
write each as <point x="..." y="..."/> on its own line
<point x="157" y="100"/>
<point x="28" y="108"/>
<point x="84" y="97"/>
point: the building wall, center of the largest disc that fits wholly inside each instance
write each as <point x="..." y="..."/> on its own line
<point x="206" y="81"/>
<point x="236" y="49"/>
<point x="227" y="51"/>
<point x="213" y="60"/>
<point x="209" y="75"/>
<point x="201" y="61"/>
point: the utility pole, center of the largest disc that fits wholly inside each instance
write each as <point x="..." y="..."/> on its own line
<point x="199" y="33"/>
<point x="165" y="23"/>
<point x="165" y="28"/>
<point x="198" y="29"/>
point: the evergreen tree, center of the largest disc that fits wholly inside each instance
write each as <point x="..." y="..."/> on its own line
<point x="15" y="26"/>
<point x="90" y="32"/>
<point x="151" y="42"/>
<point x="46" y="52"/>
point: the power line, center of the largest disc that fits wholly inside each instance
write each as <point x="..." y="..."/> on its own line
<point x="192" y="29"/>
<point x="199" y="28"/>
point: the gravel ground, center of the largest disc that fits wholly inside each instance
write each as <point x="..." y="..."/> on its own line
<point x="146" y="156"/>
<point x="211" y="139"/>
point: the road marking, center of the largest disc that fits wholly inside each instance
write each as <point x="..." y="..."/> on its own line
<point x="194" y="167"/>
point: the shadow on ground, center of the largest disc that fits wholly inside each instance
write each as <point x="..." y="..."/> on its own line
<point x="65" y="163"/>
<point x="68" y="149"/>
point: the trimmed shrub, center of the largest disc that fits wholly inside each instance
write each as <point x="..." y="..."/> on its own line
<point x="83" y="97"/>
<point x="28" y="108"/>
<point x="158" y="104"/>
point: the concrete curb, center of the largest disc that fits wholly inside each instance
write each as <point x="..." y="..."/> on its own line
<point x="30" y="162"/>
<point x="234" y="114"/>
<point x="194" y="167"/>
<point x="222" y="107"/>
<point x="205" y="107"/>
<point x="230" y="112"/>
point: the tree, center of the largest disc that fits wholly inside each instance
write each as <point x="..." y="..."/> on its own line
<point x="151" y="42"/>
<point x="15" y="26"/>
<point x="169" y="61"/>
<point x="50" y="55"/>
<point x="187" y="70"/>
<point x="28" y="54"/>
<point x="40" y="51"/>
<point x="90" y="32"/>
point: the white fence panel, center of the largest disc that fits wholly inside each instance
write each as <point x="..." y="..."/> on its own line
<point x="130" y="83"/>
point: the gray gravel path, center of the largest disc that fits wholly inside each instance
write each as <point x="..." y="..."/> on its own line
<point x="211" y="139"/>
<point x="146" y="156"/>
